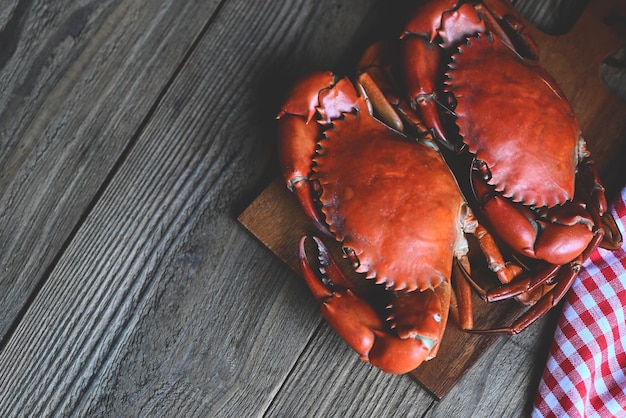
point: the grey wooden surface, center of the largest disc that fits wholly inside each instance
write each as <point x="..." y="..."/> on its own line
<point x="131" y="136"/>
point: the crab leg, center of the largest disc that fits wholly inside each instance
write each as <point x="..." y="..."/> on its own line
<point x="563" y="282"/>
<point x="461" y="306"/>
<point x="375" y="81"/>
<point x="363" y="329"/>
<point x="420" y="69"/>
<point x="505" y="272"/>
<point x="525" y="285"/>
<point x="510" y="19"/>
<point x="589" y="181"/>
<point x="376" y="85"/>
<point x="556" y="235"/>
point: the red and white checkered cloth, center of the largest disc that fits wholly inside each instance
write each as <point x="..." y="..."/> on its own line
<point x="585" y="375"/>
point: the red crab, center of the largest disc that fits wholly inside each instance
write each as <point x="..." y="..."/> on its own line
<point x="370" y="186"/>
<point x="470" y="70"/>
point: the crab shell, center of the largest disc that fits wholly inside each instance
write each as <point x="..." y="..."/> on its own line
<point x="516" y="120"/>
<point x="390" y="201"/>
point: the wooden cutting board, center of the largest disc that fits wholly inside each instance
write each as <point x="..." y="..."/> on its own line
<point x="276" y="219"/>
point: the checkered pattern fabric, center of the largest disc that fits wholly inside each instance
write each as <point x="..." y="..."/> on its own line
<point x="585" y="375"/>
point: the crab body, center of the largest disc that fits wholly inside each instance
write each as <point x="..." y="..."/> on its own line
<point x="399" y="236"/>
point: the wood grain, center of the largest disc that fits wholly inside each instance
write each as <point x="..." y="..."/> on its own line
<point x="132" y="134"/>
<point x="572" y="59"/>
<point x="75" y="93"/>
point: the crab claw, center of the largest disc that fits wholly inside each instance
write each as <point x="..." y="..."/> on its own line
<point x="317" y="94"/>
<point x="297" y="141"/>
<point x="303" y="99"/>
<point x="359" y="324"/>
<point x="558" y="237"/>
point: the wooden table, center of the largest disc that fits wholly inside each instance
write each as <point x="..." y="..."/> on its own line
<point x="132" y="134"/>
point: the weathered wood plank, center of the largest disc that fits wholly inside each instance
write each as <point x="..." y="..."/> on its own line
<point x="77" y="81"/>
<point x="504" y="381"/>
<point x="331" y="381"/>
<point x="161" y="303"/>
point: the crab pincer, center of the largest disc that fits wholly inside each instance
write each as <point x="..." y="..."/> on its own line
<point x="358" y="323"/>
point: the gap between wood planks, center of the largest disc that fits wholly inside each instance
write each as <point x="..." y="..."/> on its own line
<point x="292" y="370"/>
<point x="109" y="177"/>
<point x="311" y="343"/>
